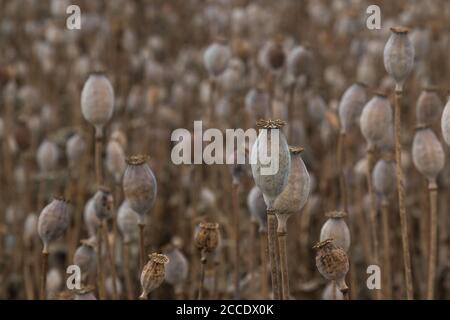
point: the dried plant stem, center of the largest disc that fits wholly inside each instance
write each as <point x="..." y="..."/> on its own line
<point x="98" y="157"/>
<point x="290" y="104"/>
<point x="202" y="274"/>
<point x="27" y="275"/>
<point x="100" y="268"/>
<point x="112" y="263"/>
<point x="282" y="235"/>
<point x="252" y="253"/>
<point x="273" y="244"/>
<point x="401" y="196"/>
<point x="386" y="250"/>
<point x="141" y="246"/>
<point x="126" y="270"/>
<point x="235" y="202"/>
<point x="340" y="168"/>
<point x="212" y="109"/>
<point x="432" y="252"/>
<point x="44" y="268"/>
<point x="345" y="294"/>
<point x="264" y="275"/>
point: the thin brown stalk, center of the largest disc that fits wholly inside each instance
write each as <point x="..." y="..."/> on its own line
<point x="235" y="202"/>
<point x="432" y="253"/>
<point x="112" y="264"/>
<point x="283" y="263"/>
<point x="212" y="109"/>
<point x="100" y="267"/>
<point x="291" y="94"/>
<point x="386" y="250"/>
<point x="141" y="246"/>
<point x="28" y="280"/>
<point x="44" y="268"/>
<point x="401" y="197"/>
<point x="126" y="270"/>
<point x="273" y="245"/>
<point x="264" y="272"/>
<point x="252" y="253"/>
<point x="202" y="275"/>
<point x="98" y="158"/>
<point x="340" y="168"/>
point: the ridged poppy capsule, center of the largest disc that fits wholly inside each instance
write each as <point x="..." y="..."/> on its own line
<point x="53" y="221"/>
<point x="257" y="207"/>
<point x="103" y="203"/>
<point x="139" y="186"/>
<point x="207" y="236"/>
<point x="428" y="107"/>
<point x="351" y="106"/>
<point x="399" y="55"/>
<point x="153" y="273"/>
<point x="127" y="221"/>
<point x="335" y="228"/>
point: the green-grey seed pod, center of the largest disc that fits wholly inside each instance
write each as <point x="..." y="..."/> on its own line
<point x="351" y="106"/>
<point x="84" y="257"/>
<point x="270" y="174"/>
<point x="428" y="154"/>
<point x="53" y="221"/>
<point x="90" y="218"/>
<point x="97" y="100"/>
<point x="445" y="123"/>
<point x="257" y="207"/>
<point x="75" y="149"/>
<point x="127" y="221"/>
<point x="375" y="119"/>
<point x="383" y="176"/>
<point x="103" y="203"/>
<point x="428" y="107"/>
<point x="153" y="273"/>
<point x="47" y="156"/>
<point x="399" y="55"/>
<point x="178" y="267"/>
<point x="216" y="58"/>
<point x="335" y="228"/>
<point x="139" y="186"/>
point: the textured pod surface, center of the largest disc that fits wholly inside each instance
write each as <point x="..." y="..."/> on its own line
<point x="115" y="160"/>
<point x="153" y="273"/>
<point x="53" y="221"/>
<point x="75" y="149"/>
<point x="97" y="100"/>
<point x="103" y="203"/>
<point x="445" y="123"/>
<point x="428" y="154"/>
<point x="84" y="256"/>
<point x="336" y="228"/>
<point x="257" y="207"/>
<point x="383" y="176"/>
<point x="178" y="267"/>
<point x="270" y="174"/>
<point x="294" y="196"/>
<point x="428" y="108"/>
<point x="376" y="118"/>
<point x="331" y="261"/>
<point x="139" y="185"/>
<point x="207" y="236"/>
<point x="399" y="55"/>
<point x="216" y="58"/>
<point x="90" y="217"/>
<point x="47" y="156"/>
<point x="127" y="221"/>
<point x="351" y="106"/>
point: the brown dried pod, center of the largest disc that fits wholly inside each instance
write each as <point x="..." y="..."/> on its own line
<point x="273" y="55"/>
<point x="53" y="221"/>
<point x="332" y="263"/>
<point x="153" y="273"/>
<point x="335" y="228"/>
<point x="84" y="257"/>
<point x="47" y="156"/>
<point x="351" y="106"/>
<point x="428" y="154"/>
<point x="257" y="207"/>
<point x="428" y="107"/>
<point x="207" y="236"/>
<point x="139" y="185"/>
<point x="103" y="203"/>
<point x="127" y="221"/>
<point x="375" y="119"/>
<point x="383" y="176"/>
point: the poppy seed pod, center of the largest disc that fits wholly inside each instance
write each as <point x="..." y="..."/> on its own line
<point x="332" y="263"/>
<point x="84" y="256"/>
<point x="127" y="221"/>
<point x="97" y="100"/>
<point x="257" y="103"/>
<point x="375" y="118"/>
<point x="216" y="58"/>
<point x="47" y="156"/>
<point x="75" y="149"/>
<point x="270" y="160"/>
<point x="53" y="221"/>
<point x="299" y="61"/>
<point x="399" y="55"/>
<point x="153" y="273"/>
<point x="335" y="228"/>
<point x="351" y="106"/>
<point x="139" y="186"/>
<point x="428" y="154"/>
<point x="103" y="203"/>
<point x="207" y="236"/>
<point x="383" y="177"/>
<point x="428" y="107"/>
<point x="445" y="123"/>
<point x="257" y="207"/>
<point x="115" y="160"/>
<point x="328" y="293"/>
<point x="90" y="217"/>
<point x="30" y="229"/>
<point x="272" y="55"/>
<point x="177" y="268"/>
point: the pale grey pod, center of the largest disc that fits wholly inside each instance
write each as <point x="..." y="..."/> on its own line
<point x="47" y="156"/>
<point x="103" y="203"/>
<point x="428" y="107"/>
<point x="294" y="196"/>
<point x="299" y="61"/>
<point x="30" y="229"/>
<point x="54" y="281"/>
<point x="428" y="154"/>
<point x="232" y="79"/>
<point x="139" y="186"/>
<point x="75" y="149"/>
<point x="177" y="268"/>
<point x="328" y="294"/>
<point x="335" y="228"/>
<point x="97" y="100"/>
<point x="257" y="207"/>
<point x="257" y="103"/>
<point x="216" y="58"/>
<point x="272" y="176"/>
<point x="84" y="257"/>
<point x="375" y="119"/>
<point x="115" y="160"/>
<point x="399" y="55"/>
<point x="127" y="221"/>
<point x="445" y="123"/>
<point x="383" y="176"/>
<point x="53" y="221"/>
<point x="351" y="106"/>
<point x="90" y="218"/>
